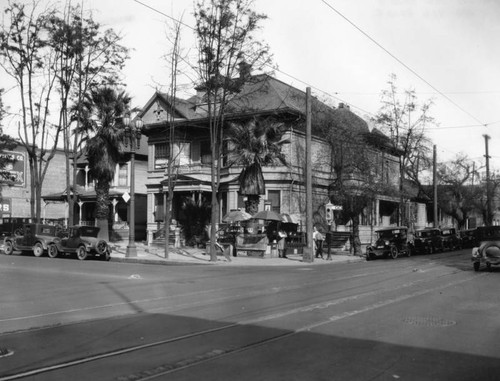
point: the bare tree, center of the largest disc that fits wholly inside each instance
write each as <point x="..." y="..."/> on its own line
<point x="225" y="33"/>
<point x="457" y="195"/>
<point x="405" y="120"/>
<point x="88" y="56"/>
<point x="26" y="56"/>
<point x="173" y="58"/>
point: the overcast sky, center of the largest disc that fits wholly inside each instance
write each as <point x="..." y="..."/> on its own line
<point x="452" y="47"/>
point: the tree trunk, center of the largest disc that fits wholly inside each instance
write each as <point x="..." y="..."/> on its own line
<point x="252" y="204"/>
<point x="102" y="209"/>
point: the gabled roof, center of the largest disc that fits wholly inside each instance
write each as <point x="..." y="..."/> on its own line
<point x="263" y="94"/>
<point x="260" y="94"/>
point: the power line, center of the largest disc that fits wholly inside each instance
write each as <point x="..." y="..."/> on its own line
<point x="280" y="71"/>
<point x="335" y="96"/>
<point x="403" y="64"/>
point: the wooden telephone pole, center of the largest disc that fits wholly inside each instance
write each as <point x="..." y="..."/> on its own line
<point x="434" y="186"/>
<point x="488" y="183"/>
<point x="309" y="252"/>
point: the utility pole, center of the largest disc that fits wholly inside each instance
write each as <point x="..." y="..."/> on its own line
<point x="488" y="181"/>
<point x="434" y="186"/>
<point x="309" y="253"/>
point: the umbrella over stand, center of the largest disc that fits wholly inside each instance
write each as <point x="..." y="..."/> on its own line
<point x="236" y="216"/>
<point x="268" y="215"/>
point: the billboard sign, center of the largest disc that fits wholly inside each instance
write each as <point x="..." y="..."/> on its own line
<point x="5" y="207"/>
<point x="14" y="170"/>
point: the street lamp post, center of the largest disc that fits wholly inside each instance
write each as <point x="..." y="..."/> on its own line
<point x="132" y="136"/>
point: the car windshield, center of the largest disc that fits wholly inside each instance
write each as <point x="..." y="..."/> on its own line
<point x="46" y="230"/>
<point x="387" y="234"/>
<point x="423" y="234"/>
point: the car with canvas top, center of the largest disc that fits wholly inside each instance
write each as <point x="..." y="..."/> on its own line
<point x="390" y="242"/>
<point x="82" y="241"/>
<point x="428" y="240"/>
<point x="32" y="237"/>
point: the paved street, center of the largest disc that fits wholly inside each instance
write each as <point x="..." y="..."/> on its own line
<point x="428" y="317"/>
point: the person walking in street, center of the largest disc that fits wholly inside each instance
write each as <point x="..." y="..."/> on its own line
<point x="318" y="243"/>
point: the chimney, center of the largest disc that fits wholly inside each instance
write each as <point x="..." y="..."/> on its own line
<point x="245" y="70"/>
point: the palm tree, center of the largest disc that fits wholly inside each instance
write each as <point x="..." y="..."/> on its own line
<point x="104" y="136"/>
<point x="253" y="145"/>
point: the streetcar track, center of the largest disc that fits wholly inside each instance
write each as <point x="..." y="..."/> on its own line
<point x="223" y="353"/>
<point x="255" y="293"/>
<point x="152" y="374"/>
<point x="177" y="307"/>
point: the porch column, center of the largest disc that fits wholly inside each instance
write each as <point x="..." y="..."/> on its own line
<point x="377" y="212"/>
<point x="80" y="204"/>
<point x="86" y="178"/>
<point x="114" y="202"/>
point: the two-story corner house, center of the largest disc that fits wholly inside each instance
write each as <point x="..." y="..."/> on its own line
<point x="262" y="96"/>
<point x="84" y="207"/>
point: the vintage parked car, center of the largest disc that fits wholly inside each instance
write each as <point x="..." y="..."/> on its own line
<point x="391" y="242"/>
<point x="33" y="237"/>
<point x="488" y="250"/>
<point x="82" y="241"/>
<point x="428" y="240"/>
<point x="451" y="239"/>
<point x="468" y="237"/>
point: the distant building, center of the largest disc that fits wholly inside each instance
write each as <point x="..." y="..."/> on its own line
<point x="84" y="208"/>
<point x="15" y="194"/>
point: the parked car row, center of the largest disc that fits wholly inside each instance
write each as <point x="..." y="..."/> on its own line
<point x="39" y="239"/>
<point x="393" y="242"/>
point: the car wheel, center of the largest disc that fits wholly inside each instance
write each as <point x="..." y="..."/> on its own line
<point x="81" y="253"/>
<point x="9" y="248"/>
<point x="38" y="249"/>
<point x="476" y="266"/>
<point x="101" y="247"/>
<point x="106" y="256"/>
<point x="369" y="255"/>
<point x="52" y="251"/>
<point x="394" y="252"/>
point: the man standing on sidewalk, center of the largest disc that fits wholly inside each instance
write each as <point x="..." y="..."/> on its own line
<point x="318" y="243"/>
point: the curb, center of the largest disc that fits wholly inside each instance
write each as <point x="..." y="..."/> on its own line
<point x="163" y="262"/>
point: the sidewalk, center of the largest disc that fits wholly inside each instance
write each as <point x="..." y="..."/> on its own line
<point x="197" y="256"/>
